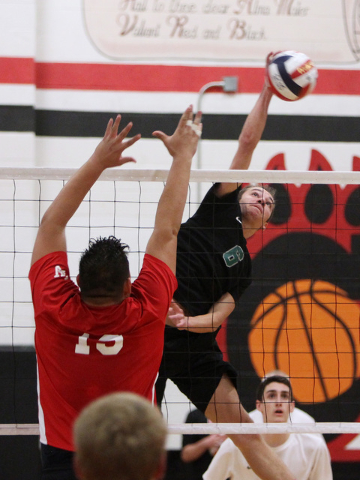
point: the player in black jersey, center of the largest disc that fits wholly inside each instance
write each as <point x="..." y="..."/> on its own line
<point x="213" y="270"/>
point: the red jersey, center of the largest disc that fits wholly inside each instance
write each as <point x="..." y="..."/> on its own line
<point x="85" y="352"/>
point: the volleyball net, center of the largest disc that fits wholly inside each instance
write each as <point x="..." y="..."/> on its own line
<point x="301" y="315"/>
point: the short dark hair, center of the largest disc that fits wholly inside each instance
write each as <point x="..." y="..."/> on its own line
<point x="103" y="268"/>
<point x="274" y="378"/>
<point x="268" y="188"/>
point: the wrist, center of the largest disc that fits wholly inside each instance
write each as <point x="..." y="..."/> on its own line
<point x="182" y="157"/>
<point x="95" y="163"/>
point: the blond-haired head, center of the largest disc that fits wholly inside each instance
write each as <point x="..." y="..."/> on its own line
<point x="120" y="436"/>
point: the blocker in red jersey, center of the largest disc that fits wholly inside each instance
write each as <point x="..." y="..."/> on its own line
<point x="291" y="75"/>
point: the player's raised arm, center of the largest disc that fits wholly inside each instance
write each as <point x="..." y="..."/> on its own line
<point x="250" y="136"/>
<point x="182" y="147"/>
<point x="51" y="234"/>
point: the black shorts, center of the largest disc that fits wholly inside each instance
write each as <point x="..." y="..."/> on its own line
<point x="194" y="362"/>
<point x="57" y="464"/>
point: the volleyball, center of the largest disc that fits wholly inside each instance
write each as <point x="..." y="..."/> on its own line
<point x="291" y="75"/>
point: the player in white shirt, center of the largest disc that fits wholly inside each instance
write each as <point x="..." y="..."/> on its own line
<point x="305" y="454"/>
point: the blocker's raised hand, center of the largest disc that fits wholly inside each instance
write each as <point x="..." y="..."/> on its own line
<point x="186" y="136"/>
<point x="110" y="149"/>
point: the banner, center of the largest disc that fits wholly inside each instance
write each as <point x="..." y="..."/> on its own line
<point x="224" y="30"/>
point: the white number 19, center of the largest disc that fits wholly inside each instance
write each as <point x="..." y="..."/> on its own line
<point x="83" y="348"/>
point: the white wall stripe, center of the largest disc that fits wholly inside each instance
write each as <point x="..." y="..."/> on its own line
<point x="219" y="103"/>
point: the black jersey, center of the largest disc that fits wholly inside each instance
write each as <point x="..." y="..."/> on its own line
<point x="212" y="257"/>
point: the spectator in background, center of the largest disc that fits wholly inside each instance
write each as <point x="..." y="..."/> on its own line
<point x="305" y="454"/>
<point x="296" y="416"/>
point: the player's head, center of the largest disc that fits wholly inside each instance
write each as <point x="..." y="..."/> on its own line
<point x="274" y="399"/>
<point x="257" y="205"/>
<point x="104" y="271"/>
<point x="120" y="437"/>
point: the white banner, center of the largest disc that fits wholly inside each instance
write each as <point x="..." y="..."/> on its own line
<point x="224" y="30"/>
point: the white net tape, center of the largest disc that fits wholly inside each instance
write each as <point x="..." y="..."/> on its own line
<point x="223" y="428"/>
<point x="243" y="176"/>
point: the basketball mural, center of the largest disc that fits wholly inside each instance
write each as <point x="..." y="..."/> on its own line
<point x="302" y="313"/>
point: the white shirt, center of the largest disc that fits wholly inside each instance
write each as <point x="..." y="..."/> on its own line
<point x="297" y="416"/>
<point x="306" y="455"/>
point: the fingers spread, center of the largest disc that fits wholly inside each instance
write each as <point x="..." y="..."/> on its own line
<point x="115" y="127"/>
<point x="131" y="141"/>
<point x="109" y="127"/>
<point x="125" y="130"/>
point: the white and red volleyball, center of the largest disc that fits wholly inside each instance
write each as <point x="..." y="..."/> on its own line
<point x="291" y="75"/>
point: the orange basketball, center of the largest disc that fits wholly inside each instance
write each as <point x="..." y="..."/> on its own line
<point x="310" y="330"/>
